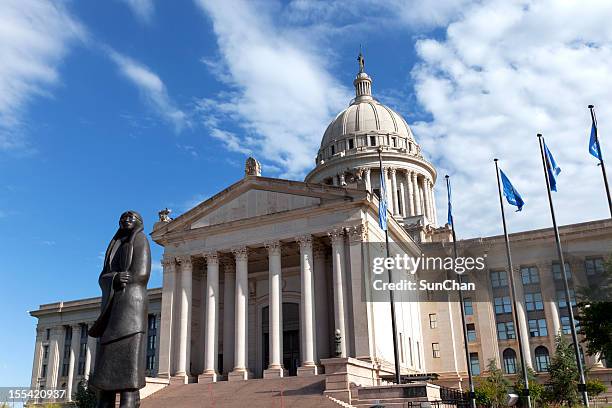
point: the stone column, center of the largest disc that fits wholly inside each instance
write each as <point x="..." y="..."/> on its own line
<point x="402" y="194"/>
<point x="368" y="180"/>
<point x="184" y="340"/>
<point x="388" y="185"/>
<point x="308" y="366"/>
<point x="38" y="357"/>
<point x="424" y="192"/>
<point x="212" y="310"/>
<point x="410" y="197"/>
<point x="167" y="340"/>
<point x="396" y="209"/>
<point x="229" y="307"/>
<point x="337" y="240"/>
<point x="275" y="307"/>
<point x="74" y="346"/>
<point x="418" y="210"/>
<point x="240" y="371"/>
<point x="321" y="305"/>
<point x="522" y="317"/>
<point x="56" y="344"/>
<point x="432" y="197"/>
<point x="91" y="343"/>
<point x="549" y="297"/>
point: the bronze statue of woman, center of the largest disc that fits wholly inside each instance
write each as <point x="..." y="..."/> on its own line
<point x="121" y="328"/>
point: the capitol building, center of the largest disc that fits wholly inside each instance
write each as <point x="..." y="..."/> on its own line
<point x="268" y="279"/>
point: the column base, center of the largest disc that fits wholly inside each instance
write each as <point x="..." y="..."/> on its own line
<point x="210" y="377"/>
<point x="179" y="379"/>
<point x="239" y="375"/>
<point x="278" y="372"/>
<point x="307" y="370"/>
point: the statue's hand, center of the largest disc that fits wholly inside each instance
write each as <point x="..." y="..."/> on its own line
<point x="123" y="278"/>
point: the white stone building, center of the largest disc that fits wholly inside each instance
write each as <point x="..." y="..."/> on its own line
<point x="258" y="278"/>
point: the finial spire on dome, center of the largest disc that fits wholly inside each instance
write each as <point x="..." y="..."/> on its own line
<point x="363" y="83"/>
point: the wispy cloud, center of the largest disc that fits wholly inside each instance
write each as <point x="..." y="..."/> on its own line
<point x="282" y="97"/>
<point x="34" y="38"/>
<point x="504" y="72"/>
<point x="144" y="10"/>
<point x="152" y="89"/>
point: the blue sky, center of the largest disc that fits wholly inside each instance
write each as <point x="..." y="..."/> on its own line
<point x="146" y="104"/>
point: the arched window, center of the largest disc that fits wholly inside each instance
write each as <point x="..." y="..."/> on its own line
<point x="509" y="361"/>
<point x="542" y="358"/>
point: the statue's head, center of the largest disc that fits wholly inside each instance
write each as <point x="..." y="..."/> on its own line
<point x="130" y="220"/>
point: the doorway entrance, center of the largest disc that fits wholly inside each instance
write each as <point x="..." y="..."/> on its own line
<point x="291" y="337"/>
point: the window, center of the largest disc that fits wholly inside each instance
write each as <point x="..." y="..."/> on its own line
<point x="435" y="349"/>
<point x="594" y="266"/>
<point x="82" y="350"/>
<point x="43" y="371"/>
<point x="542" y="359"/>
<point x="468" y="308"/>
<point x="333" y="150"/>
<point x="533" y="301"/>
<point x="151" y="341"/>
<point x="351" y="143"/>
<point x="418" y="347"/>
<point x="474" y="363"/>
<point x="372" y="140"/>
<point x="45" y="351"/>
<point x="509" y="361"/>
<point x="502" y="305"/>
<point x="471" y="332"/>
<point x="562" y="301"/>
<point x="394" y="142"/>
<point x="537" y="328"/>
<point x="66" y="359"/>
<point x="47" y="334"/>
<point x="529" y="275"/>
<point x="505" y="331"/>
<point x="433" y="320"/>
<point x="410" y="351"/>
<point x="499" y="279"/>
<point x="565" y="325"/>
<point x="401" y="342"/>
<point x="558" y="275"/>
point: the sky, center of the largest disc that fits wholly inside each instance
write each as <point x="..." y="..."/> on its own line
<point x="146" y="104"/>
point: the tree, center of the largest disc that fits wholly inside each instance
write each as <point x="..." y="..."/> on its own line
<point x="84" y="397"/>
<point x="595" y="387"/>
<point x="536" y="390"/>
<point x="595" y="313"/>
<point x="563" y="383"/>
<point x="492" y="390"/>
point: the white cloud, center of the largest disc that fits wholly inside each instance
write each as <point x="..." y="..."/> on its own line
<point x="504" y="72"/>
<point x="142" y="9"/>
<point x="152" y="89"/>
<point x="34" y="38"/>
<point x="282" y="98"/>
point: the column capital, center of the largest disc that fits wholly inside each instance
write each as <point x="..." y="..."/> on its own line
<point x="241" y="253"/>
<point x="392" y="171"/>
<point x="304" y="241"/>
<point x="168" y="262"/>
<point x="184" y="261"/>
<point x="336" y="235"/>
<point x="318" y="249"/>
<point x="357" y="233"/>
<point x="212" y="257"/>
<point x="273" y="247"/>
<point x="229" y="266"/>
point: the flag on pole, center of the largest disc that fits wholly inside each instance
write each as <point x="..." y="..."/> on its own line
<point x="512" y="196"/>
<point x="382" y="203"/>
<point x="450" y="206"/>
<point x="593" y="148"/>
<point x="552" y="168"/>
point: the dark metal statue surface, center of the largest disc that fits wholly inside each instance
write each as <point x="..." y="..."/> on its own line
<point x="121" y="328"/>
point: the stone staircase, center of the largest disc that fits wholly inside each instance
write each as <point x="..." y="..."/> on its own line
<point x="288" y="392"/>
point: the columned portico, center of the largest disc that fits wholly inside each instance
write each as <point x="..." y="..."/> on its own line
<point x="308" y="366"/>
<point x="240" y="371"/>
<point x="212" y="310"/>
<point x="275" y="369"/>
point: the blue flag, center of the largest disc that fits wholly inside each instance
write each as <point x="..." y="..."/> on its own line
<point x="593" y="142"/>
<point x="552" y="168"/>
<point x="450" y="207"/>
<point x="513" y="196"/>
<point x="382" y="203"/>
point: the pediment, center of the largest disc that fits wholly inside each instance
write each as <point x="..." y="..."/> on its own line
<point x="254" y="203"/>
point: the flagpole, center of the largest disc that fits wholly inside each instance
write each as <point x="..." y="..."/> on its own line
<point x="601" y="162"/>
<point x="514" y="300"/>
<point x="582" y="384"/>
<point x="391" y="294"/>
<point x="472" y="394"/>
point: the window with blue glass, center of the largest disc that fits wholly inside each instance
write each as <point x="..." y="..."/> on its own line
<point x="594" y="266"/>
<point x="509" y="356"/>
<point x="533" y="301"/>
<point x="565" y="325"/>
<point x="538" y="328"/>
<point x="502" y="305"/>
<point x="505" y="331"/>
<point x="499" y="279"/>
<point x="562" y="300"/>
<point x="558" y="274"/>
<point x="471" y="332"/>
<point x="475" y="363"/>
<point x="542" y="359"/>
<point x="468" y="307"/>
<point x="529" y="275"/>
